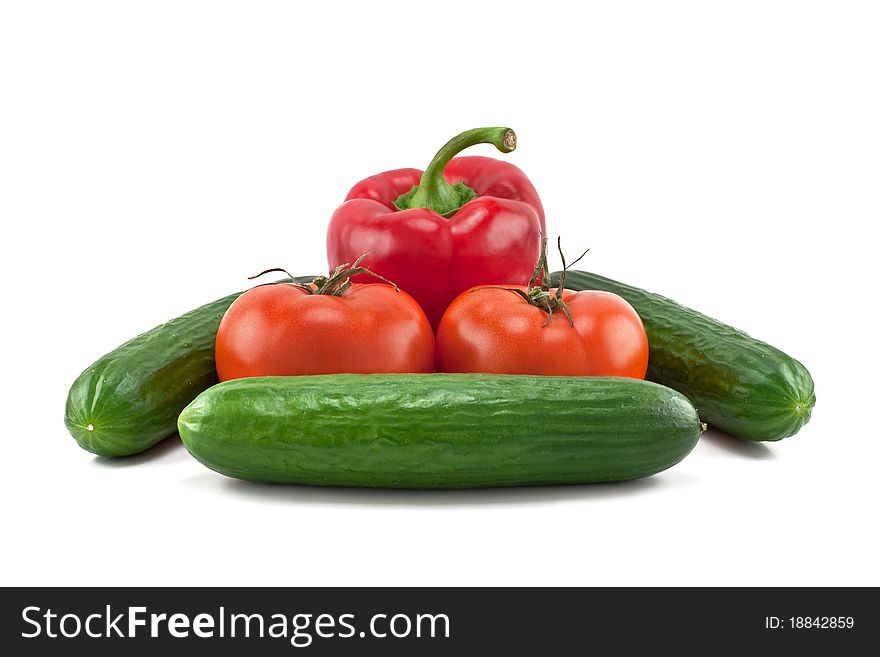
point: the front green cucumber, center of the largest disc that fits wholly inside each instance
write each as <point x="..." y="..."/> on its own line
<point x="438" y="430"/>
<point x="129" y="400"/>
<point x="740" y="385"/>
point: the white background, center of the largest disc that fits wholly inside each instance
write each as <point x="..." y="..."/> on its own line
<point x="154" y="154"/>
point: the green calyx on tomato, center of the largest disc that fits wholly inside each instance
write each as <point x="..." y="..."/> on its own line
<point x="540" y="296"/>
<point x="433" y="192"/>
<point x="336" y="284"/>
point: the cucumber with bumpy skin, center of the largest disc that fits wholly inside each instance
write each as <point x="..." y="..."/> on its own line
<point x="129" y="399"/>
<point x="740" y="385"/>
<point x="438" y="430"/>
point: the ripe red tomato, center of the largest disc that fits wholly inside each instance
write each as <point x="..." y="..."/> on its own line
<point x="497" y="331"/>
<point x="283" y="330"/>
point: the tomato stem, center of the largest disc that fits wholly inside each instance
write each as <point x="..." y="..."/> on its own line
<point x="336" y="284"/>
<point x="539" y="296"/>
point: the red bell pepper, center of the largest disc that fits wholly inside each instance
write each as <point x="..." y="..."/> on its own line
<point x="464" y="222"/>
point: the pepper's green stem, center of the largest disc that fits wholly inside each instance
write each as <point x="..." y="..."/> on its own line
<point x="433" y="192"/>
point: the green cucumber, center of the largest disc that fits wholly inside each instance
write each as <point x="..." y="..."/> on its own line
<point x="129" y="400"/>
<point x="438" y="430"/>
<point x="740" y="385"/>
